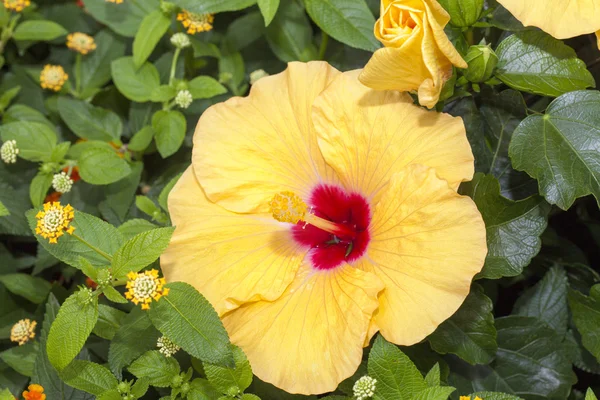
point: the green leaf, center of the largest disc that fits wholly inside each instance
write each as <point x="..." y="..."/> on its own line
<point x="349" y="22"/>
<point x="140" y="387"/>
<point x="463" y="13"/>
<point x="169" y="128"/>
<point x="34" y="140"/>
<point x="589" y="395"/>
<point x="586" y="315"/>
<point x="134" y="226"/>
<point x="535" y="62"/>
<point x="3" y="210"/>
<point x="290" y="34"/>
<point x="135" y="336"/>
<point x="513" y="228"/>
<point x="100" y="166"/>
<point x="60" y="151"/>
<point x="495" y="396"/>
<point x="152" y="28"/>
<point x="21" y="358"/>
<point x="33" y="289"/>
<point x="433" y="376"/>
<point x="95" y="67"/>
<point x="397" y="377"/>
<point x="145" y="205"/>
<point x="70" y="330"/>
<point x="135" y="84"/>
<point x="109" y="321"/>
<point x="120" y="195"/>
<point x="188" y="319"/>
<point x="88" y="376"/>
<point x="470" y="332"/>
<point x="89" y="122"/>
<point x="434" y="393"/>
<point x="559" y="148"/>
<point x="5" y="394"/>
<point x="205" y="87"/>
<point x="223" y="378"/>
<point x="243" y="31"/>
<point x="142" y="139"/>
<point x="163" y="93"/>
<point x="141" y="251"/>
<point x="39" y="187"/>
<point x="268" y="9"/>
<point x="38" y="30"/>
<point x="21" y="112"/>
<point x="547" y="300"/>
<point x="124" y="18"/>
<point x="160" y="370"/>
<point x="17" y="202"/>
<point x="8" y="96"/>
<point x="113" y="295"/>
<point x="213" y="6"/>
<point x="200" y="389"/>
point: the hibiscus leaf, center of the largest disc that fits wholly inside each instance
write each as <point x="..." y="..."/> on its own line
<point x="559" y="148"/>
<point x="188" y="319"/>
<point x="513" y="228"/>
<point x="290" y="34"/>
<point x="470" y="332"/>
<point x="535" y="62"/>
<point x="586" y="315"/>
<point x="159" y="370"/>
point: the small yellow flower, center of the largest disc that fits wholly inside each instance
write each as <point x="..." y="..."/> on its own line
<point x="23" y="331"/>
<point x="81" y="43"/>
<point x="16" y="5"/>
<point x="34" y="392"/>
<point x="53" y="77"/>
<point x="54" y="221"/>
<point x="145" y="286"/>
<point x="114" y="1"/>
<point x="195" y="22"/>
<point x="469" y="398"/>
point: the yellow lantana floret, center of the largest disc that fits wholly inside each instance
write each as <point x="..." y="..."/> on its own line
<point x="54" y="221"/>
<point x="34" y="392"/>
<point x="23" y="331"/>
<point x="195" y="23"/>
<point x="81" y="43"/>
<point x="469" y="398"/>
<point x="53" y="77"/>
<point x="145" y="286"/>
<point x="114" y="1"/>
<point x="16" y="5"/>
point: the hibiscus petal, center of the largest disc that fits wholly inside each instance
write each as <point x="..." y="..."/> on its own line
<point x="561" y="19"/>
<point x="367" y="135"/>
<point x="310" y="339"/>
<point x="248" y="149"/>
<point x="427" y="244"/>
<point x="230" y="258"/>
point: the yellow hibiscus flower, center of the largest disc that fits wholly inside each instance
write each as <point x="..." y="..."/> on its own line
<point x="417" y="53"/>
<point x="561" y="19"/>
<point x="397" y="247"/>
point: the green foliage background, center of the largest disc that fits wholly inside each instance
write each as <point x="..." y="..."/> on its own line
<point x="530" y="327"/>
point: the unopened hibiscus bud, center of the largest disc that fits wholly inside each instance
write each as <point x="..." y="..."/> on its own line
<point x="364" y="388"/>
<point x="62" y="182"/>
<point x="256" y="75"/>
<point x="180" y="40"/>
<point x="184" y="98"/>
<point x="482" y="61"/>
<point x="9" y="151"/>
<point x="463" y="12"/>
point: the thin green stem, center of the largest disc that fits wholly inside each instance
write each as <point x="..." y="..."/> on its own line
<point x="119" y="282"/>
<point x="78" y="73"/>
<point x="470" y="37"/>
<point x="323" y="46"/>
<point x="91" y="246"/>
<point x="174" y="66"/>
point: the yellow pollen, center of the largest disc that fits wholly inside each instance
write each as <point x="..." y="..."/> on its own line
<point x="144" y="287"/>
<point x="54" y="221"/>
<point x="16" y="5"/>
<point x="81" y="43"/>
<point x="23" y="331"/>
<point x="288" y="207"/>
<point x="53" y="77"/>
<point x="195" y="22"/>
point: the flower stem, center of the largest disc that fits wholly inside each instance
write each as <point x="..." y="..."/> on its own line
<point x="174" y="66"/>
<point x="323" y="46"/>
<point x="91" y="246"/>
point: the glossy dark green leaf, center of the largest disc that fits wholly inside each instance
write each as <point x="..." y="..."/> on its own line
<point x="95" y="67"/>
<point x="89" y="122"/>
<point x="33" y="289"/>
<point x="268" y="9"/>
<point x="559" y="149"/>
<point x="21" y="358"/>
<point x="213" y="6"/>
<point x="586" y="315"/>
<point x="124" y="18"/>
<point x="290" y="34"/>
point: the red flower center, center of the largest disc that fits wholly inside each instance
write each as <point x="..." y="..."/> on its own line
<point x="350" y="210"/>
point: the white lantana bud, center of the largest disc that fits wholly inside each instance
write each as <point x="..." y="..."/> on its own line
<point x="62" y="182"/>
<point x="364" y="388"/>
<point x="166" y="346"/>
<point x="9" y="151"/>
<point x="180" y="40"/>
<point x="184" y="98"/>
<point x="256" y="75"/>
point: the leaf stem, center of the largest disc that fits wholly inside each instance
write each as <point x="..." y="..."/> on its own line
<point x="323" y="46"/>
<point x="91" y="246"/>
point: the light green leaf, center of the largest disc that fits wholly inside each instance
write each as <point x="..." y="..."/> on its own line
<point x="21" y="112"/>
<point x="33" y="289"/>
<point x="3" y="210"/>
<point x="223" y="378"/>
<point x="89" y="122"/>
<point x="113" y="295"/>
<point x="134" y="226"/>
<point x="268" y="9"/>
<point x="135" y="84"/>
<point x="140" y="251"/>
<point x="38" y="30"/>
<point x="21" y="358"/>
<point x="434" y="393"/>
<point x="152" y="28"/>
<point x="124" y="18"/>
<point x="39" y="187"/>
<point x="70" y="330"/>
<point x="88" y="376"/>
<point x="589" y="395"/>
<point x="535" y="62"/>
<point x="109" y="321"/>
<point x="290" y="34"/>
<point x="8" y="96"/>
<point x="433" y="376"/>
<point x="160" y="370"/>
<point x="188" y="319"/>
<point x="205" y="87"/>
<point x="34" y="140"/>
<point x="142" y="139"/>
<point x="349" y="22"/>
<point x="463" y="13"/>
<point x="213" y="6"/>
<point x="586" y="315"/>
<point x="100" y="166"/>
<point x="495" y="396"/>
<point x="60" y="151"/>
<point x="163" y="93"/>
<point x="200" y="389"/>
<point x="559" y="148"/>
<point x="5" y="394"/>
<point x="547" y="300"/>
<point x="470" y="332"/>
<point x="397" y="377"/>
<point x="169" y="128"/>
<point x="145" y="205"/>
<point x="513" y="228"/>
